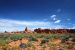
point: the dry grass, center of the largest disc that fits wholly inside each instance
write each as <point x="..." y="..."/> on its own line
<point x="35" y="41"/>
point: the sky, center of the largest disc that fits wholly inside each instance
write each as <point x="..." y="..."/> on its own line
<point x="53" y="14"/>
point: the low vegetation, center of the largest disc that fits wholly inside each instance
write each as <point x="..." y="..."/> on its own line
<point x="36" y="41"/>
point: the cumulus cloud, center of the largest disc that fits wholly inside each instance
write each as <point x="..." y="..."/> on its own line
<point x="17" y="25"/>
<point x="57" y="21"/>
<point x="53" y="16"/>
<point x="54" y="19"/>
<point x="13" y="25"/>
<point x="16" y="22"/>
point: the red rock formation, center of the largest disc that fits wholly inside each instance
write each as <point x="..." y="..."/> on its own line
<point x="27" y="31"/>
<point x="39" y="30"/>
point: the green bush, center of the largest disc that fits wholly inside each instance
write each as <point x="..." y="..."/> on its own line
<point x="29" y="44"/>
<point x="31" y="38"/>
<point x="3" y="48"/>
<point x="39" y="35"/>
<point x="44" y="41"/>
<point x="16" y="36"/>
<point x="23" y="45"/>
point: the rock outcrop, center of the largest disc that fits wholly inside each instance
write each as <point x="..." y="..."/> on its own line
<point x="39" y="30"/>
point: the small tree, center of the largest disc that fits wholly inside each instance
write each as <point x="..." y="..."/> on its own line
<point x="5" y="32"/>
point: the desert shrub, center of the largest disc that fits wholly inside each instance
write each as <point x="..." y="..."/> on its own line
<point x="23" y="45"/>
<point x="3" y="42"/>
<point x="52" y="36"/>
<point x="27" y="35"/>
<point x="16" y="36"/>
<point x="61" y="49"/>
<point x="3" y="48"/>
<point x="31" y="38"/>
<point x="47" y="37"/>
<point x="14" y="48"/>
<point x="29" y="44"/>
<point x="70" y="46"/>
<point x="43" y="47"/>
<point x="39" y="36"/>
<point x="4" y="36"/>
<point x="64" y="38"/>
<point x="44" y="41"/>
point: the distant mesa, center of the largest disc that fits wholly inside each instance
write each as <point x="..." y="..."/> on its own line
<point x="40" y="30"/>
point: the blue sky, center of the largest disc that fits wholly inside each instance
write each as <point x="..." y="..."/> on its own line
<point x="17" y="14"/>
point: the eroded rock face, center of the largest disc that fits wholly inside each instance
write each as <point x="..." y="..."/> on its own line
<point x="39" y="30"/>
<point x="27" y="30"/>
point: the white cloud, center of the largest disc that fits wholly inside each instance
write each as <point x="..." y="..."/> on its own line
<point x="16" y="22"/>
<point x="53" y="16"/>
<point x="57" y="21"/>
<point x="54" y="19"/>
<point x="13" y="25"/>
<point x="17" y="25"/>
